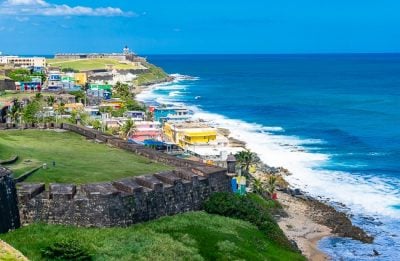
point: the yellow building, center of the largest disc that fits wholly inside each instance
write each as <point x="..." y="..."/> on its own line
<point x="186" y="134"/>
<point x="80" y="78"/>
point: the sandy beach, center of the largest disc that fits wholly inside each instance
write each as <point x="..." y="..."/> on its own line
<point x="300" y="227"/>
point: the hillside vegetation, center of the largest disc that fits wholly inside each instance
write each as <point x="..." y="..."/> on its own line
<point x="190" y="236"/>
<point x="154" y="75"/>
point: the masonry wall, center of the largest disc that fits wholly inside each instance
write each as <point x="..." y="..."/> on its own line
<point x="9" y="215"/>
<point x="123" y="202"/>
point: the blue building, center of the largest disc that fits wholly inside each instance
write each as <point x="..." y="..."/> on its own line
<point x="163" y="114"/>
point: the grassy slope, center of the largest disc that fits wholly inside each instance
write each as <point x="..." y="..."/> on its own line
<point x="190" y="236"/>
<point x="155" y="74"/>
<point x="77" y="160"/>
<point x="89" y="64"/>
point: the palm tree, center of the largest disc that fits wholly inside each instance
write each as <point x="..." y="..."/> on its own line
<point x="258" y="187"/>
<point x="128" y="128"/>
<point x="245" y="158"/>
<point x="15" y="111"/>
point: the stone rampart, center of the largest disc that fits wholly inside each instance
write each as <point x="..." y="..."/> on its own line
<point x="123" y="202"/>
<point x="119" y="203"/>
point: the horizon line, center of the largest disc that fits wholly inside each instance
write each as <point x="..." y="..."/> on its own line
<point x="302" y="53"/>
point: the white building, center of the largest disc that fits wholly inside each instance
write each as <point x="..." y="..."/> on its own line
<point x="23" y="61"/>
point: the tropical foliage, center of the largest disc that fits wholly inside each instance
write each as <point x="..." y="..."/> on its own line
<point x="248" y="208"/>
<point x="128" y="129"/>
<point x="245" y="158"/>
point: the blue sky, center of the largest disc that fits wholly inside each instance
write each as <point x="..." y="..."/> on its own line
<point x="218" y="26"/>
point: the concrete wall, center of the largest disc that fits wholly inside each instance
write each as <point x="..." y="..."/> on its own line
<point x="9" y="215"/>
<point x="127" y="201"/>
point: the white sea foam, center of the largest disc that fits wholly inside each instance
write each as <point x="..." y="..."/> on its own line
<point x="363" y="195"/>
<point x="175" y="94"/>
<point x="372" y="196"/>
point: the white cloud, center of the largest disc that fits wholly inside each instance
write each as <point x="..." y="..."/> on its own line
<point x="43" y="8"/>
<point x="26" y="2"/>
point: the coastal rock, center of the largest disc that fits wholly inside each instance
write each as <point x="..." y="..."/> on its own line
<point x="339" y="222"/>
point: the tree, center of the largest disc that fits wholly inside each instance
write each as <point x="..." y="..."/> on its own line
<point x="258" y="187"/>
<point x="15" y="111"/>
<point x="30" y="112"/>
<point x="128" y="129"/>
<point x="50" y="100"/>
<point x="96" y="124"/>
<point x="60" y="109"/>
<point x="245" y="158"/>
<point x="20" y="75"/>
<point x="79" y="95"/>
<point x="122" y="90"/>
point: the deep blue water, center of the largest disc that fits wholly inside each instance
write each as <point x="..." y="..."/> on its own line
<point x="343" y="108"/>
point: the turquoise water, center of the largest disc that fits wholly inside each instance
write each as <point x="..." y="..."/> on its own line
<point x="332" y="120"/>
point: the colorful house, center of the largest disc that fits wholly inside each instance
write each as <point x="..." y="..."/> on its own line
<point x="115" y="104"/>
<point x="69" y="107"/>
<point x="163" y="114"/>
<point x="189" y="133"/>
<point x="147" y="130"/>
<point x="80" y="78"/>
<point x="28" y="86"/>
<point x="96" y="86"/>
<point x="135" y="115"/>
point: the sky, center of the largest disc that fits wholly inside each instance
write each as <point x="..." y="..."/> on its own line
<point x="200" y="27"/>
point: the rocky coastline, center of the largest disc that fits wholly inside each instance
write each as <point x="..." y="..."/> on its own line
<point x="312" y="218"/>
<point x="306" y="219"/>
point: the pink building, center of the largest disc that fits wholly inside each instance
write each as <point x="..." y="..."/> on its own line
<point x="146" y="130"/>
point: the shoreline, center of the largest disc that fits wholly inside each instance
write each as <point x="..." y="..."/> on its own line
<point x="299" y="227"/>
<point x="308" y="219"/>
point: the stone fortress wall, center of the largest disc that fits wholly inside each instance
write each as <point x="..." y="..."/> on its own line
<point x="122" y="202"/>
<point x="9" y="215"/>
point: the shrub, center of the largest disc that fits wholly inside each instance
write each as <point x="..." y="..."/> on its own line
<point x="248" y="208"/>
<point x="67" y="249"/>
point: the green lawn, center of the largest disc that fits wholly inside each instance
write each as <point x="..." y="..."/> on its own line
<point x="91" y="64"/>
<point x="77" y="160"/>
<point x="189" y="236"/>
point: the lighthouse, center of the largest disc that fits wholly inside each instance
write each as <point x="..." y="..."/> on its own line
<point x="126" y="50"/>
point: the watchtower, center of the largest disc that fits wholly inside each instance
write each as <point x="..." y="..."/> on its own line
<point x="231" y="165"/>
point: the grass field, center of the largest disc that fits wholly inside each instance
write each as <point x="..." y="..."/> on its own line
<point x="77" y="160"/>
<point x="91" y="64"/>
<point x="190" y="236"/>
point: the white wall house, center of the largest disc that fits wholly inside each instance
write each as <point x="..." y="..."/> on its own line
<point x="23" y="61"/>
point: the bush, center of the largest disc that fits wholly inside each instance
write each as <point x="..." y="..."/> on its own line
<point x="248" y="208"/>
<point x="67" y="249"/>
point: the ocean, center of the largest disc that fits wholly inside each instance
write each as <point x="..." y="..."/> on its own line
<point x="332" y="120"/>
